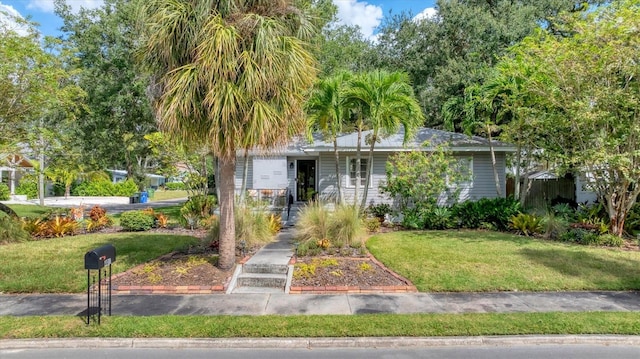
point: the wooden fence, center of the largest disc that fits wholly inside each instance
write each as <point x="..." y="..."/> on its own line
<point x="542" y="192"/>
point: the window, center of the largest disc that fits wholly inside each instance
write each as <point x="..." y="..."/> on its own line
<point x="352" y="171"/>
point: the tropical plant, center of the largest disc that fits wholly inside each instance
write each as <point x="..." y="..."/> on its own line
<point x="389" y="103"/>
<point x="526" y="223"/>
<point x="328" y="112"/>
<point x="232" y="75"/>
<point x="59" y="226"/>
<point x="379" y="210"/>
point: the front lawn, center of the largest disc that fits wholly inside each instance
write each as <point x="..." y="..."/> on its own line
<point x="57" y="265"/>
<point x="31" y="210"/>
<point x="478" y="261"/>
<point x="163" y="195"/>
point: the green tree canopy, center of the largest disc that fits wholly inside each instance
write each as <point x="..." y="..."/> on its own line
<point x="587" y="85"/>
<point x="232" y="74"/>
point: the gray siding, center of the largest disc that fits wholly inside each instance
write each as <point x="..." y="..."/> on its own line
<point x="481" y="186"/>
<point x="483" y="180"/>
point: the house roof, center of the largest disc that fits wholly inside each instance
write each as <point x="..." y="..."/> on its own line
<point x="458" y="142"/>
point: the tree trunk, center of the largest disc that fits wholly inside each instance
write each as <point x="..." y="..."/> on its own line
<point x="338" y="177"/>
<point x="494" y="165"/>
<point x="41" y="175"/>
<point x="358" y="160"/>
<point x="516" y="189"/>
<point x="367" y="181"/>
<point x="227" y="251"/>
<point x="245" y="174"/>
<point x="67" y="191"/>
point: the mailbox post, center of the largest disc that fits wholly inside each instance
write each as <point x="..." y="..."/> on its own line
<point x="97" y="301"/>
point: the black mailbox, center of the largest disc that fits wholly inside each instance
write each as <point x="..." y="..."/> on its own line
<point x="100" y="257"/>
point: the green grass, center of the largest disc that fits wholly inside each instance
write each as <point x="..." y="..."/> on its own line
<point x="57" y="265"/>
<point x="30" y="210"/>
<point x="371" y="325"/>
<point x="161" y="195"/>
<point x="472" y="261"/>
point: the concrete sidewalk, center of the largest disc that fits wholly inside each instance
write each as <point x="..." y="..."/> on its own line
<point x="342" y="304"/>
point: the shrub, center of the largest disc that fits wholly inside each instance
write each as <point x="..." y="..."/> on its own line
<point x="275" y="223"/>
<point x="136" y="221"/>
<point x="437" y="218"/>
<point x="313" y="223"/>
<point x="412" y="219"/>
<point x="610" y="240"/>
<point x="345" y="225"/>
<point x="59" y="226"/>
<point x="372" y="225"/>
<point x="553" y="226"/>
<point x="5" y="193"/>
<point x="526" y="223"/>
<point x="34" y="226"/>
<point x="252" y="226"/>
<point x="98" y="219"/>
<point x="494" y="211"/>
<point x="379" y="210"/>
<point x="174" y="186"/>
<point x="126" y="188"/>
<point x="197" y="208"/>
<point x="28" y="185"/>
<point x="12" y="230"/>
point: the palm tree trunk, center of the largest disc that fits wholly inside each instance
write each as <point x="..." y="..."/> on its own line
<point x="494" y="165"/>
<point x="245" y="174"/>
<point x="227" y="226"/>
<point x="358" y="160"/>
<point x="516" y="190"/>
<point x="338" y="177"/>
<point x="368" y="172"/>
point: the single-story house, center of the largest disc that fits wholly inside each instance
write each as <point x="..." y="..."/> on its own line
<point x="12" y="168"/>
<point x="307" y="170"/>
<point x="155" y="181"/>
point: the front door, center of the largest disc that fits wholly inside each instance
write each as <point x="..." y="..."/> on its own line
<point x="305" y="180"/>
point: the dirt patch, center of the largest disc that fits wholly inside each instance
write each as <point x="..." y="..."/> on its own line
<point x="342" y="271"/>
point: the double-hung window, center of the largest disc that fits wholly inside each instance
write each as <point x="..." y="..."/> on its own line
<point x="352" y="164"/>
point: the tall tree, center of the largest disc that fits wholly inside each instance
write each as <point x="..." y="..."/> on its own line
<point x="111" y="131"/>
<point x="391" y="104"/>
<point x="328" y="113"/>
<point x="233" y="73"/>
<point x="457" y="47"/>
<point x="588" y="86"/>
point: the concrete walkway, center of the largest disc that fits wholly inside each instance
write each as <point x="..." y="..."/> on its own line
<point x="310" y="304"/>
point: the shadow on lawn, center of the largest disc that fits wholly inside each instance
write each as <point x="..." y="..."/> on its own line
<point x="601" y="272"/>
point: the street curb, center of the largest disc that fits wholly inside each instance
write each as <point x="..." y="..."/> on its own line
<point x="310" y="343"/>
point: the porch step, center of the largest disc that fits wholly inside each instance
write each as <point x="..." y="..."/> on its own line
<point x="262" y="280"/>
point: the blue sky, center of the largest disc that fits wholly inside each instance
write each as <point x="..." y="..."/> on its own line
<point x="368" y="14"/>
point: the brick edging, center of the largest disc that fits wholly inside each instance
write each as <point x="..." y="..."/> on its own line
<point x="170" y="289"/>
<point x="407" y="288"/>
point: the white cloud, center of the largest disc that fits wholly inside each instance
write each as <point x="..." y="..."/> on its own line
<point x="7" y="20"/>
<point x="48" y="5"/>
<point x="425" y="14"/>
<point x="361" y="13"/>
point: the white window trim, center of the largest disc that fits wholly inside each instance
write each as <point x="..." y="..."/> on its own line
<point x="348" y="174"/>
<point x="469" y="183"/>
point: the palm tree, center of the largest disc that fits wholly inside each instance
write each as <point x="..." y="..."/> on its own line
<point x="391" y="104"/>
<point x="233" y="73"/>
<point x="328" y="113"/>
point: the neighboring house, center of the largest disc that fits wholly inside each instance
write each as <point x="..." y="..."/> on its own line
<point x="155" y="181"/>
<point x="12" y="168"/>
<point x="308" y="169"/>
